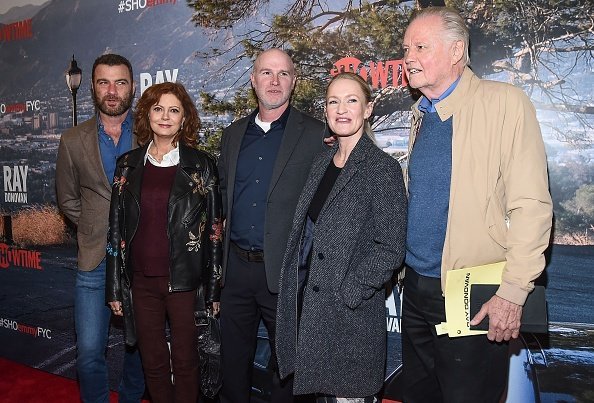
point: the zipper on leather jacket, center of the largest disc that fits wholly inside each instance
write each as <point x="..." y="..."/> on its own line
<point x="169" y="220"/>
<point x="133" y="232"/>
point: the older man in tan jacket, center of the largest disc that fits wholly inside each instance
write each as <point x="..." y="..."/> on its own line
<point x="478" y="194"/>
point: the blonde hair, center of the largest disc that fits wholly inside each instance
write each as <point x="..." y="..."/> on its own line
<point x="347" y="75"/>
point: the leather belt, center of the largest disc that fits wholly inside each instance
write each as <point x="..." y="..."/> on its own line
<point x="250" y="256"/>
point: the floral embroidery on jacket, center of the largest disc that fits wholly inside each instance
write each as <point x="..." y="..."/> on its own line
<point x="194" y="243"/>
<point x="119" y="182"/>
<point x="200" y="186"/>
<point x="216" y="272"/>
<point x="123" y="250"/>
<point x="111" y="251"/>
<point x="217" y="231"/>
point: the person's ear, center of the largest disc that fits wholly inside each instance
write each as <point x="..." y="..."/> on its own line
<point x="368" y="110"/>
<point x="457" y="51"/>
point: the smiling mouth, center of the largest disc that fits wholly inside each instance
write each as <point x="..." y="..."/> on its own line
<point x="413" y="71"/>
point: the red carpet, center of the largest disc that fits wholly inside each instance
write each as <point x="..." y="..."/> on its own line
<point x="22" y="384"/>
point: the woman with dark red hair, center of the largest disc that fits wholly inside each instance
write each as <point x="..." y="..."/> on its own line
<point x="164" y="240"/>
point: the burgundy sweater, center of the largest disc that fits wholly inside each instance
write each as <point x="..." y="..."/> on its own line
<point x="150" y="246"/>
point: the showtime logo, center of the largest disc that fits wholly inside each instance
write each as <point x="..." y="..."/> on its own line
<point x="382" y="74"/>
<point x="19" y="107"/>
<point x="16" y="31"/>
<point x="34" y="331"/>
<point x="15" y="183"/>
<point x="27" y="259"/>
<point x="125" y="6"/>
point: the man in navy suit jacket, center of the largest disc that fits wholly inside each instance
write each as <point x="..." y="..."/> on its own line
<point x="264" y="163"/>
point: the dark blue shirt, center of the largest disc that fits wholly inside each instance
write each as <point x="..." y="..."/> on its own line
<point x="111" y="151"/>
<point x="255" y="163"/>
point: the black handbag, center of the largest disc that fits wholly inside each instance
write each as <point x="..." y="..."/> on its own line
<point x="209" y="348"/>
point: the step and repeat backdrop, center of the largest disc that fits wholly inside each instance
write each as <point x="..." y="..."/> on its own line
<point x="543" y="47"/>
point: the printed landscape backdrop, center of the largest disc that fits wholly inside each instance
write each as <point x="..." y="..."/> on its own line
<point x="542" y="46"/>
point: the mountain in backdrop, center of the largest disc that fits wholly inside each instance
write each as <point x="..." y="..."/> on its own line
<point x="154" y="38"/>
<point x="19" y="13"/>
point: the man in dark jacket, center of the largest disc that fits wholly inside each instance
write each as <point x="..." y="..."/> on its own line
<point x="265" y="159"/>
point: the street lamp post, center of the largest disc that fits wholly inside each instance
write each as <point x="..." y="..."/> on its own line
<point x="73" y="79"/>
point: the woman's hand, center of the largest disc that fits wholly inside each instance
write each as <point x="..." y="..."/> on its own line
<point x="216" y="308"/>
<point x="116" y="308"/>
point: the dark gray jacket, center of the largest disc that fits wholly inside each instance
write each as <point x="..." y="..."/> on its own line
<point x="359" y="240"/>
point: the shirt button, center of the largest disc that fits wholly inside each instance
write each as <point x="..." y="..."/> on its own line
<point x="320" y="256"/>
<point x="253" y="204"/>
<point x="315" y="288"/>
<point x="253" y="226"/>
<point x="257" y="180"/>
<point x="260" y="158"/>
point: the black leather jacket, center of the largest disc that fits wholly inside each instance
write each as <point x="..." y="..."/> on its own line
<point x="194" y="228"/>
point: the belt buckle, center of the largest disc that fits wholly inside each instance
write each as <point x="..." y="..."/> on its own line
<point x="250" y="256"/>
<point x="255" y="256"/>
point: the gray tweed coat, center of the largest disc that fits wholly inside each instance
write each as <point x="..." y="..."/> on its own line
<point x="359" y="240"/>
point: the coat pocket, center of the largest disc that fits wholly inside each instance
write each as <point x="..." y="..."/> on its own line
<point x="496" y="218"/>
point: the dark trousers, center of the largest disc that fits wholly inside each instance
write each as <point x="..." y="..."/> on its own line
<point x="153" y="305"/>
<point x="440" y="368"/>
<point x="245" y="300"/>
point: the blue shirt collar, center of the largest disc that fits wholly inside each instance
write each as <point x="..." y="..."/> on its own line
<point x="109" y="150"/>
<point x="428" y="106"/>
<point x="126" y="124"/>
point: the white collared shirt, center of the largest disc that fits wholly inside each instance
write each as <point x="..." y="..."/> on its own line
<point x="170" y="159"/>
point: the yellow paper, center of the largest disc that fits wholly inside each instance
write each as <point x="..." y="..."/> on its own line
<point x="457" y="296"/>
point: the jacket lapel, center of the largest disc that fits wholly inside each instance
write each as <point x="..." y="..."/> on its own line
<point x="135" y="162"/>
<point x="351" y="167"/>
<point x="233" y="148"/>
<point x="293" y="132"/>
<point x="183" y="182"/>
<point x="318" y="169"/>
<point x="90" y="146"/>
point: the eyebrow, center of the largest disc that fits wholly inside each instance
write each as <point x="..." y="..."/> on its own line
<point x="271" y="69"/>
<point x="116" y="80"/>
<point x="347" y="95"/>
